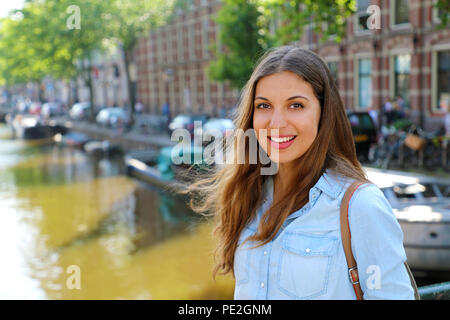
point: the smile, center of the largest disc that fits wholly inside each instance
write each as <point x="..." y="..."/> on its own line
<point x="281" y="142"/>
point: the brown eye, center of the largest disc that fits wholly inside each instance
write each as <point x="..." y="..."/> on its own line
<point x="297" y="106"/>
<point x="262" y="106"/>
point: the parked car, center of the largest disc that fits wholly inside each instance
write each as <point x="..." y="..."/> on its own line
<point x="184" y="121"/>
<point x="213" y="125"/>
<point x="365" y="132"/>
<point x="80" y="111"/>
<point x="113" y="117"/>
<point x="22" y="106"/>
<point x="52" y="109"/>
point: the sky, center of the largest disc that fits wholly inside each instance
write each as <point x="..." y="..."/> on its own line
<point x="6" y="6"/>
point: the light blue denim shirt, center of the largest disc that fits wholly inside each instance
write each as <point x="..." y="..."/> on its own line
<point x="306" y="259"/>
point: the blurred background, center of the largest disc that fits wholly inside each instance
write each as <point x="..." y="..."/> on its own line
<point x="91" y="92"/>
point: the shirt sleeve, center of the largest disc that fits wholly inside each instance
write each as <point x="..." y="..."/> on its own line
<point x="377" y="244"/>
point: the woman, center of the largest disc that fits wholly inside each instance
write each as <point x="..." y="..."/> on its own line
<point x="279" y="233"/>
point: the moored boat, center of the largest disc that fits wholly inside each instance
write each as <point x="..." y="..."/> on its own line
<point x="421" y="204"/>
<point x="158" y="168"/>
<point x="31" y="127"/>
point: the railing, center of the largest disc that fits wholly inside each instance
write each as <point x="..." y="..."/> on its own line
<point x="438" y="291"/>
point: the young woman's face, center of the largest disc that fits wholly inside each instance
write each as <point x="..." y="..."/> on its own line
<point x="286" y="102"/>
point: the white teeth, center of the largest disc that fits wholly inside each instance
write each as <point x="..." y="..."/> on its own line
<point x="280" y="140"/>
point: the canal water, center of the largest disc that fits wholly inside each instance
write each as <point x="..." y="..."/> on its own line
<point x="75" y="227"/>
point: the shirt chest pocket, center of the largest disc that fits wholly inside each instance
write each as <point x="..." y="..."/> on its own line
<point x="305" y="264"/>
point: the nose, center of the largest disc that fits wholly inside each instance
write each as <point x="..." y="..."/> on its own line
<point x="278" y="120"/>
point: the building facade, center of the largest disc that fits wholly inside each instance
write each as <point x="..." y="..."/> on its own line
<point x="403" y="53"/>
<point x="172" y="64"/>
<point x="394" y="50"/>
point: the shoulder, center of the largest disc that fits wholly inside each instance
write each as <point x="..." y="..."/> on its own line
<point x="370" y="213"/>
<point x="369" y="196"/>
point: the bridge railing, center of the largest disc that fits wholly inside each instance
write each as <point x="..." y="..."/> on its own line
<point x="438" y="291"/>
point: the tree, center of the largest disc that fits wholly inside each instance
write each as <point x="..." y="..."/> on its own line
<point x="243" y="40"/>
<point x="38" y="41"/>
<point x="130" y="20"/>
<point x="327" y="17"/>
<point x="73" y="47"/>
<point x="21" y="58"/>
<point x="443" y="7"/>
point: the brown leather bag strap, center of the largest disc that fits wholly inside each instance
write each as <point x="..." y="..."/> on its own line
<point x="346" y="240"/>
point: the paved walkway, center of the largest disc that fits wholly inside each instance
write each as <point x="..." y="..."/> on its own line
<point x="128" y="140"/>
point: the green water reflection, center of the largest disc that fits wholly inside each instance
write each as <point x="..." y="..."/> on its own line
<point x="60" y="208"/>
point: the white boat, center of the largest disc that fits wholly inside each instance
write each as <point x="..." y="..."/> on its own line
<point x="422" y="206"/>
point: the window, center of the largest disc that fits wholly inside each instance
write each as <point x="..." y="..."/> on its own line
<point x="333" y="66"/>
<point x="362" y="15"/>
<point x="399" y="12"/>
<point x="443" y="80"/>
<point x="205" y="40"/>
<point x="364" y="83"/>
<point x="402" y="69"/>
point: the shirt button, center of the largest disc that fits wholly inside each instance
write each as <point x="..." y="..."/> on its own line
<point x="265" y="253"/>
<point x="262" y="284"/>
<point x="308" y="250"/>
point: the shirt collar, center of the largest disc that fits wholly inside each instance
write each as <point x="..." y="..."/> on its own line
<point x="329" y="183"/>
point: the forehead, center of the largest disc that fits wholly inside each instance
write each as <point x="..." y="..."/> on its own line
<point x="283" y="83"/>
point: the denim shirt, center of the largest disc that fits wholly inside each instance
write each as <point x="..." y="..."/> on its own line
<point x="306" y="259"/>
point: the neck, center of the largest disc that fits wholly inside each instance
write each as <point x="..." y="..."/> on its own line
<point x="282" y="178"/>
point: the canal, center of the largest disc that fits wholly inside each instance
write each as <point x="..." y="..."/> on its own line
<point x="75" y="227"/>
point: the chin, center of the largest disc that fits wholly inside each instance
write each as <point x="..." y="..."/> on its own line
<point x="282" y="159"/>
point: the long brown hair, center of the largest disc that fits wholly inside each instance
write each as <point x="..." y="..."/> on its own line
<point x="233" y="193"/>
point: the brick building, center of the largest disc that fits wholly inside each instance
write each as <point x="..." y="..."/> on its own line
<point x="172" y="64"/>
<point x="405" y="55"/>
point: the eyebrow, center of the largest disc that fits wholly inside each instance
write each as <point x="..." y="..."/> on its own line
<point x="291" y="98"/>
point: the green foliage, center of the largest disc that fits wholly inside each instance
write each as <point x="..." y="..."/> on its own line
<point x="443" y="7"/>
<point x="242" y="39"/>
<point x="248" y="28"/>
<point x="327" y="17"/>
<point x="131" y="19"/>
<point x="37" y="41"/>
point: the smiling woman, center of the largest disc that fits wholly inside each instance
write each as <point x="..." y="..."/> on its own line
<point x="286" y="114"/>
<point x="280" y="234"/>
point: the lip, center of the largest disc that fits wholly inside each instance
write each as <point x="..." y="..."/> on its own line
<point x="282" y="145"/>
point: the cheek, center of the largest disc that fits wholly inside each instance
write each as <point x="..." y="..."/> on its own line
<point x="259" y="122"/>
<point x="307" y="128"/>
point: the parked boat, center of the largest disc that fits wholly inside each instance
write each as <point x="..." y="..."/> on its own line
<point x="32" y="128"/>
<point x="74" y="139"/>
<point x="29" y="127"/>
<point x="158" y="168"/>
<point x="102" y="148"/>
<point x="143" y="165"/>
<point x="422" y="207"/>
